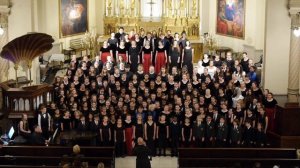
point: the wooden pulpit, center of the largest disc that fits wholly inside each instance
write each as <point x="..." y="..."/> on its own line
<point x="17" y="101"/>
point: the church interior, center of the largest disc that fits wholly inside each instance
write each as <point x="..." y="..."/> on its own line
<point x="149" y="83"/>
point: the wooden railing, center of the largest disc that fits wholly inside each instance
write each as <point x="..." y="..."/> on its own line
<point x="51" y="155"/>
<point x="230" y="157"/>
<point x="17" y="101"/>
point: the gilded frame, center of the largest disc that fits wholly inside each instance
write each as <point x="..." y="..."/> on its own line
<point x="230" y="20"/>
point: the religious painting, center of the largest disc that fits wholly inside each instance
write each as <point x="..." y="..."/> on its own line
<point x="231" y="18"/>
<point x="73" y="17"/>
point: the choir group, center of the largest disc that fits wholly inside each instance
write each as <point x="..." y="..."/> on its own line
<point x="145" y="85"/>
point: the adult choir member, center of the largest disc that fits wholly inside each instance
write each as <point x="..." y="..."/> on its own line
<point x="105" y="52"/>
<point x="147" y="56"/>
<point x="160" y="57"/>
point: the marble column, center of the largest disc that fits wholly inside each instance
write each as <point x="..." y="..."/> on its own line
<point x="294" y="62"/>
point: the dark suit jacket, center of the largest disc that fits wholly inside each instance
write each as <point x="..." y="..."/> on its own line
<point x="249" y="135"/>
<point x="210" y="130"/>
<point x="236" y="134"/>
<point x="222" y="132"/>
<point x="82" y="127"/>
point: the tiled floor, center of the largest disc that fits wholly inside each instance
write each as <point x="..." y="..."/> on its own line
<point x="157" y="162"/>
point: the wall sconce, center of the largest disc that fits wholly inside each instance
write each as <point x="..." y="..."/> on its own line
<point x="296" y="26"/>
<point x="296" y="31"/>
<point x="1" y="30"/>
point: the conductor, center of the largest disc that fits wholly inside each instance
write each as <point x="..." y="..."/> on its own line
<point x="142" y="153"/>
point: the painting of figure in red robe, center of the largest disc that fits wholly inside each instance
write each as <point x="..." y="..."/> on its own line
<point x="231" y="18"/>
<point x="73" y="17"/>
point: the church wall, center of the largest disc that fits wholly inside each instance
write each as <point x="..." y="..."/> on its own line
<point x="43" y="16"/>
<point x="277" y="48"/>
<point x="49" y="19"/>
<point x="254" y="26"/>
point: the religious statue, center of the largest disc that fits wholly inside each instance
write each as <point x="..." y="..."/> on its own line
<point x="109" y="7"/>
<point x="122" y="7"/>
<point x="170" y="6"/>
<point x="181" y="3"/>
<point x="132" y="6"/>
<point x="194" y="8"/>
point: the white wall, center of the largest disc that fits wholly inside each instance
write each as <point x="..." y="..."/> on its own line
<point x="254" y="26"/>
<point x="277" y="46"/>
<point x="48" y="12"/>
<point x="204" y="16"/>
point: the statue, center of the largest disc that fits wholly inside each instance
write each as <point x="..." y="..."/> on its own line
<point x="132" y="7"/>
<point x="170" y="6"/>
<point x="182" y="3"/>
<point x="122" y="7"/>
<point x="109" y="7"/>
<point x="194" y="8"/>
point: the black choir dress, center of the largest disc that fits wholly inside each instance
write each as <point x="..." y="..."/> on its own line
<point x="188" y="60"/>
<point x="150" y="135"/>
<point x="120" y="145"/>
<point x="162" y="138"/>
<point x="105" y="134"/>
<point x="139" y="131"/>
<point x="134" y="58"/>
<point x="174" y="54"/>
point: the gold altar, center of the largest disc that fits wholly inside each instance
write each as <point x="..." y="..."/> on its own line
<point x="174" y="15"/>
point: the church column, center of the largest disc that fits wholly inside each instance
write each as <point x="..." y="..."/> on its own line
<point x="294" y="62"/>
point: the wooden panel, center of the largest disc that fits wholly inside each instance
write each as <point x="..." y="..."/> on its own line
<point x="287" y="121"/>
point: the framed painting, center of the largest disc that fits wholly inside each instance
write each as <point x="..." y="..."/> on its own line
<point x="231" y="18"/>
<point x="73" y="17"/>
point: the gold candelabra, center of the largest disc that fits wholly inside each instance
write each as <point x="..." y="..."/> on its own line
<point x="89" y="42"/>
<point x="210" y="43"/>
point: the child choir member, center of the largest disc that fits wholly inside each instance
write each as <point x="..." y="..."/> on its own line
<point x="186" y="133"/>
<point x="138" y="128"/>
<point x="128" y="124"/>
<point x="199" y="132"/>
<point x="149" y="133"/>
<point x="175" y="131"/>
<point x="44" y="121"/>
<point x="162" y="135"/>
<point x="105" y="132"/>
<point x="119" y="139"/>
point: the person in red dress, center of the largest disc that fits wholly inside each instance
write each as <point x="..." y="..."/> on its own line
<point x="128" y="124"/>
<point x="147" y="56"/>
<point x="160" y="57"/>
<point x="270" y="107"/>
<point x="122" y="52"/>
<point x="105" y="51"/>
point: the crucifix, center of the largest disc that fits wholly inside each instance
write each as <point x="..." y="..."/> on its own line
<point x="151" y="3"/>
